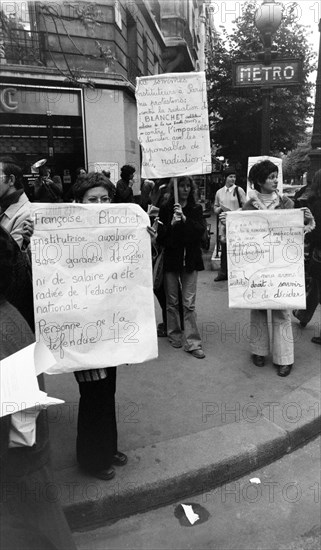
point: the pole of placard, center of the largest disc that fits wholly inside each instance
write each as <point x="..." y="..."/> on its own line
<point x="175" y="191"/>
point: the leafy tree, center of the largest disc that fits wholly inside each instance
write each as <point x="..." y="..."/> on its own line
<point x="297" y="162"/>
<point x="235" y="114"/>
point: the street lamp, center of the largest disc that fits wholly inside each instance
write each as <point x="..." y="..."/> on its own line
<point x="267" y="20"/>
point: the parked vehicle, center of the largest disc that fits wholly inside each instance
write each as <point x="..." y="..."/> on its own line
<point x="290" y="190"/>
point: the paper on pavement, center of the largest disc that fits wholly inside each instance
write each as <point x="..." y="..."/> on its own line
<point x="191" y="516"/>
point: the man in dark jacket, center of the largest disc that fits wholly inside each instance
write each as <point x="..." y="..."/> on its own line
<point x="124" y="186"/>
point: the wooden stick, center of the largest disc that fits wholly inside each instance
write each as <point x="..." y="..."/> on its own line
<point x="175" y="191"/>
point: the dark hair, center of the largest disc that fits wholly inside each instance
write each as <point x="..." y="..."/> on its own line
<point x="229" y="171"/>
<point x="10" y="168"/>
<point x="316" y="185"/>
<point x="127" y="171"/>
<point x="79" y="170"/>
<point x="260" y="171"/>
<point x="89" y="181"/>
<point x="106" y="173"/>
<point x="6" y="260"/>
<point x="191" y="201"/>
<point x="44" y="170"/>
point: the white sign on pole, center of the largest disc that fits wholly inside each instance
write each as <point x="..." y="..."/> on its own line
<point x="265" y="259"/>
<point x="277" y="161"/>
<point x="93" y="287"/>
<point x="172" y="121"/>
<point x="112" y="167"/>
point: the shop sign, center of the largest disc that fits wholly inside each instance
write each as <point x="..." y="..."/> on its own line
<point x="39" y="102"/>
<point x="283" y="73"/>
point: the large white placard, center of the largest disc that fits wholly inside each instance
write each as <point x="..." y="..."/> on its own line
<point x="93" y="289"/>
<point x="265" y="259"/>
<point x="173" y="125"/>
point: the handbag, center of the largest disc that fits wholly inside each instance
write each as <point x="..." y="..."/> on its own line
<point x="158" y="268"/>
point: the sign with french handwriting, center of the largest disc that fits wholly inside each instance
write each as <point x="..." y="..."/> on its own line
<point x="93" y="288"/>
<point x="173" y="127"/>
<point x="265" y="259"/>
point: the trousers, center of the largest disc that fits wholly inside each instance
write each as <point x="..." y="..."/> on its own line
<point x="282" y="336"/>
<point x="175" y="333"/>
<point x="97" y="429"/>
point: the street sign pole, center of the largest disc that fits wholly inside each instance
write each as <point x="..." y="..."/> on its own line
<point x="266" y="76"/>
<point x="265" y="130"/>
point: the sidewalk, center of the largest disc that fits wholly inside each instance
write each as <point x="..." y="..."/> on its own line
<point x="190" y="425"/>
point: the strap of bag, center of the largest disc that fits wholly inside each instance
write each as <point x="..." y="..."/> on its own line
<point x="236" y="192"/>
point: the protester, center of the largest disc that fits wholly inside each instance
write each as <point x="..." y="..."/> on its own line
<point x="19" y="290"/>
<point x="230" y="197"/>
<point x="31" y="516"/>
<point x="264" y="178"/>
<point x="159" y="196"/>
<point x="314" y="291"/>
<point x="124" y="191"/>
<point x="46" y="188"/>
<point x="181" y="227"/>
<point x="14" y="203"/>
<point x="97" y="450"/>
<point x="145" y="193"/>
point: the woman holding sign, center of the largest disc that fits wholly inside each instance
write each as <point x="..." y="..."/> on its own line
<point x="180" y="231"/>
<point x="97" y="450"/>
<point x="264" y="178"/>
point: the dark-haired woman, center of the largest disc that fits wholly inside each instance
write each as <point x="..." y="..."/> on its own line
<point x="124" y="186"/>
<point x="264" y="178"/>
<point x="97" y="450"/>
<point x="180" y="231"/>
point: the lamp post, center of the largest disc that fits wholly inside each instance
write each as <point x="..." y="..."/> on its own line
<point x="267" y="20"/>
<point x="315" y="153"/>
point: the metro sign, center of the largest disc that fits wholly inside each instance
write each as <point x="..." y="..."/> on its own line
<point x="284" y="72"/>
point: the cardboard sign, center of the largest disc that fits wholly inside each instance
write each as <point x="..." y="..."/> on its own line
<point x="93" y="290"/>
<point x="173" y="125"/>
<point x="265" y="259"/>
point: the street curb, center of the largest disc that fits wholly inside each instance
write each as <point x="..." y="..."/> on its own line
<point x="171" y="470"/>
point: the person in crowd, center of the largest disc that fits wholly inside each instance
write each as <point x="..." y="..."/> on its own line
<point x="145" y="193"/>
<point x="80" y="172"/>
<point x="124" y="186"/>
<point x="180" y="230"/>
<point x="14" y="203"/>
<point x="230" y="197"/>
<point x="19" y="290"/>
<point x="314" y="291"/>
<point x="302" y="195"/>
<point x="30" y="515"/>
<point x="97" y="450"/>
<point x="47" y="189"/>
<point x="264" y="178"/>
<point x="159" y="196"/>
<point x="107" y="175"/>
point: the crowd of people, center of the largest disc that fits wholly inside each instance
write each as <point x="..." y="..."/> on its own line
<point x="177" y="228"/>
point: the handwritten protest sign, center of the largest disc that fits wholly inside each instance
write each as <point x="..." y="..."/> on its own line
<point x="92" y="278"/>
<point x="173" y="125"/>
<point x="265" y="259"/>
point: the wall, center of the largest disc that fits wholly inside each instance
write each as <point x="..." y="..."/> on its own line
<point x="111" y="127"/>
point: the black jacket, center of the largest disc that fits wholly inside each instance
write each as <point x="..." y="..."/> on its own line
<point x="182" y="241"/>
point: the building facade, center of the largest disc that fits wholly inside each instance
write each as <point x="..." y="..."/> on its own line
<point x="68" y="73"/>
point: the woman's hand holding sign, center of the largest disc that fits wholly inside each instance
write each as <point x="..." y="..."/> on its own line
<point x="178" y="214"/>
